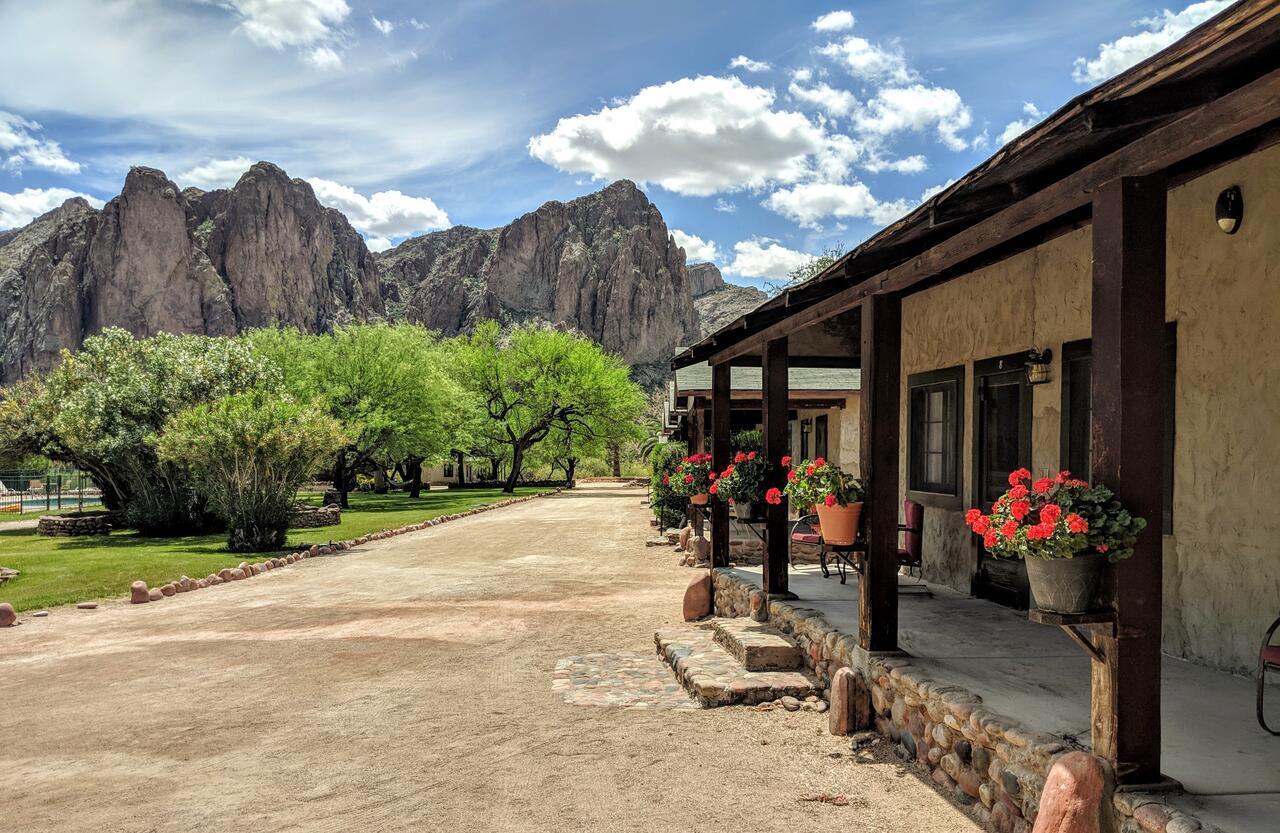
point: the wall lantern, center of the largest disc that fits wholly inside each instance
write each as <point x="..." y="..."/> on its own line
<point x="1039" y="366"/>
<point x="1229" y="210"/>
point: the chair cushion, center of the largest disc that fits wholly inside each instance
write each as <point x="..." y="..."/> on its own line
<point x="1271" y="655"/>
<point x="806" y="538"/>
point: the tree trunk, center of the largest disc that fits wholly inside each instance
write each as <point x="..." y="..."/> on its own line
<point x="379" y="481"/>
<point x="517" y="460"/>
<point x="494" y="464"/>
<point x="569" y="471"/>
<point x="615" y="456"/>
<point x="415" y="477"/>
<point x="340" y="478"/>
<point x="462" y="470"/>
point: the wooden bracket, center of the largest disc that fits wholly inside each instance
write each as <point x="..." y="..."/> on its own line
<point x="1071" y="624"/>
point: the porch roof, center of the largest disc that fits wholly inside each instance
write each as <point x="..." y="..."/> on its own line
<point x="1206" y="98"/>
<point x="695" y="379"/>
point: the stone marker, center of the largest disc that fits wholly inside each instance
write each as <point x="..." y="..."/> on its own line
<point x="138" y="592"/>
<point x="850" y="703"/>
<point x="1074" y="794"/>
<point x="154" y="594"/>
<point x="225" y="574"/>
<point x="7" y="615"/>
<point x="168" y="589"/>
<point x="213" y="578"/>
<point x="697" y="597"/>
<point x="237" y="574"/>
<point x="684" y="539"/>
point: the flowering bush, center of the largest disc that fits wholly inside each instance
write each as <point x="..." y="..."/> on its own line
<point x="665" y="503"/>
<point x="742" y="480"/>
<point x="693" y="476"/>
<point x="820" y="482"/>
<point x="1055" y="517"/>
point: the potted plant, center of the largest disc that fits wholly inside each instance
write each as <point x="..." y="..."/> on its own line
<point x="1064" y="529"/>
<point x="835" y="495"/>
<point x="693" y="478"/>
<point x="742" y="482"/>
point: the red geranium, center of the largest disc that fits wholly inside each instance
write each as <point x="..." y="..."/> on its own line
<point x="773" y="497"/>
<point x="786" y="459"/>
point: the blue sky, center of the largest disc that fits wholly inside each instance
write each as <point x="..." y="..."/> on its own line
<point x="765" y="132"/>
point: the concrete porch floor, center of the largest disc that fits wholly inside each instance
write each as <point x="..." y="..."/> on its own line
<point x="1034" y="673"/>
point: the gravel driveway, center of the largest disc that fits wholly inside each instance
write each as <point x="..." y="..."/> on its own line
<point x="408" y="685"/>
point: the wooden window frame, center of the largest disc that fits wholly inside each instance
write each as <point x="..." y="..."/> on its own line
<point x="951" y="495"/>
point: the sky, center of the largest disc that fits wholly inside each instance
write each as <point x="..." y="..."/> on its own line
<point x="765" y="132"/>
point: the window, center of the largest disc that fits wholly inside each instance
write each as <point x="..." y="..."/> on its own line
<point x="820" y="436"/>
<point x="1077" y="412"/>
<point x="934" y="426"/>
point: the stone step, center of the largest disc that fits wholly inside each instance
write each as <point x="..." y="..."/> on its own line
<point x="757" y="647"/>
<point x="714" y="678"/>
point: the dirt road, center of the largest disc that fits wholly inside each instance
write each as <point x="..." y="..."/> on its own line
<point x="407" y="685"/>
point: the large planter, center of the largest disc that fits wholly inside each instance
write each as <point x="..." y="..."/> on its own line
<point x="699" y="499"/>
<point x="747" y="510"/>
<point x="1066" y="585"/>
<point x="840" y="523"/>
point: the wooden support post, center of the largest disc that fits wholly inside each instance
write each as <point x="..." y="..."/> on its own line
<point x="775" y="392"/>
<point x="697" y="445"/>
<point x="1129" y="367"/>
<point x="881" y="372"/>
<point x="720" y="457"/>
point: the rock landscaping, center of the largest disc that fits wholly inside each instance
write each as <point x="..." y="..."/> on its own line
<point x="311" y="517"/>
<point x="75" y="523"/>
<point x="713" y="677"/>
<point x="630" y="680"/>
<point x="7" y="573"/>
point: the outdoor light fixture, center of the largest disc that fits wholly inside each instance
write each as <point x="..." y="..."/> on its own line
<point x="1229" y="210"/>
<point x="1039" y="365"/>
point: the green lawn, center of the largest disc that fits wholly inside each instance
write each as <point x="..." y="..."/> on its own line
<point x="58" y="571"/>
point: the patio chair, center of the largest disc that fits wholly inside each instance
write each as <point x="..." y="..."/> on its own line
<point x="911" y="553"/>
<point x="1268" y="660"/>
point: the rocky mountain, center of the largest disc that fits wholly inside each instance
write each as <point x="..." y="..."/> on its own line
<point x="604" y="264"/>
<point x="719" y="303"/>
<point x="157" y="258"/>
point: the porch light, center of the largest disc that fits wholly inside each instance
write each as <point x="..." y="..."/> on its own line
<point x="1039" y="366"/>
<point x="1229" y="210"/>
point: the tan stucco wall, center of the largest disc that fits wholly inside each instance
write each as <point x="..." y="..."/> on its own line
<point x="1222" y="565"/>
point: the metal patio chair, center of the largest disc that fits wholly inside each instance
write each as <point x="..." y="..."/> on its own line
<point x="1268" y="660"/>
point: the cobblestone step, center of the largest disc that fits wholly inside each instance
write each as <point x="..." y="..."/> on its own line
<point x="757" y="647"/>
<point x="714" y="678"/>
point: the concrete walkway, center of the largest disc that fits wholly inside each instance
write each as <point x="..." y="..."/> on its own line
<point x="1037" y="675"/>
<point x="455" y="679"/>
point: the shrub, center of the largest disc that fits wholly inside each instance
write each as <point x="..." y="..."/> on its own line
<point x="665" y="503"/>
<point x="248" y="453"/>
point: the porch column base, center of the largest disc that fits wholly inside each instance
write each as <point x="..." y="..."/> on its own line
<point x="862" y="657"/>
<point x="1164" y="784"/>
<point x="784" y="596"/>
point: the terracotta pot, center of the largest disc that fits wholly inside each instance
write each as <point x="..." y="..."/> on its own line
<point x="840" y="523"/>
<point x="815" y="525"/>
<point x="699" y="499"/>
<point x="1066" y="585"/>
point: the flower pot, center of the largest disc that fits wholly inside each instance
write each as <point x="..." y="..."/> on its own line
<point x="840" y="523"/>
<point x="699" y="499"/>
<point x="816" y="526"/>
<point x="1066" y="585"/>
<point x="747" y="510"/>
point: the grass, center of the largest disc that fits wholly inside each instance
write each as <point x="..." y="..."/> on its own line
<point x="56" y="571"/>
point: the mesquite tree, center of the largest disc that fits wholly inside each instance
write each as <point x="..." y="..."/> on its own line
<point x="534" y="380"/>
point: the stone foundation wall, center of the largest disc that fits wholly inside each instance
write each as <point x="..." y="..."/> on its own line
<point x="74" y="524"/>
<point x="311" y="517"/>
<point x="991" y="764"/>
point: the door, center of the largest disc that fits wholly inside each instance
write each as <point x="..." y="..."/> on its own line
<point x="1002" y="413"/>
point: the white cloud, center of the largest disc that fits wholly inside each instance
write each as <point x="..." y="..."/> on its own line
<point x="282" y="23"/>
<point x="1014" y="129"/>
<point x="322" y="57"/>
<point x="743" y="62"/>
<point x="381" y="216"/>
<point x="764" y="258"/>
<point x="810" y="202"/>
<point x="869" y="61"/>
<point x="725" y="207"/>
<point x="696" y="250"/>
<point x="934" y="190"/>
<point x="216" y="173"/>
<point x="913" y="164"/>
<point x="1118" y="55"/>
<point x="695" y="136"/>
<point x="16" y="210"/>
<point x="822" y="95"/>
<point x="418" y="24"/>
<point x="917" y="108"/>
<point x="833" y="22"/>
<point x="383" y="26"/>
<point x="20" y="148"/>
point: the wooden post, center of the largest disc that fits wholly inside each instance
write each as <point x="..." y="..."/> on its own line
<point x="775" y="394"/>
<point x="720" y="457"/>
<point x="697" y="445"/>
<point x="881" y="377"/>
<point x="1129" y="366"/>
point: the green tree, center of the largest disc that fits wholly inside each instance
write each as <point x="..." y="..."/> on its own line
<point x="104" y="408"/>
<point x="533" y="380"/>
<point x="247" y="454"/>
<point x="387" y="387"/>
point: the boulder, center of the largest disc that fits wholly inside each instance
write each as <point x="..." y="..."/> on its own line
<point x="685" y="534"/>
<point x="1074" y="796"/>
<point x="168" y="589"/>
<point x="8" y="617"/>
<point x="850" y="703"/>
<point x="138" y="593"/>
<point x="237" y="574"/>
<point x="154" y="594"/>
<point x="697" y="598"/>
<point x="225" y="574"/>
<point x="213" y="578"/>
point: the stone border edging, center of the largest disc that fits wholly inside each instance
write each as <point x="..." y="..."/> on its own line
<point x="140" y="593"/>
<point x="992" y="764"/>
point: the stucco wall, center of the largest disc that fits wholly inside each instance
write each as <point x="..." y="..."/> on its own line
<point x="1222" y="564"/>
